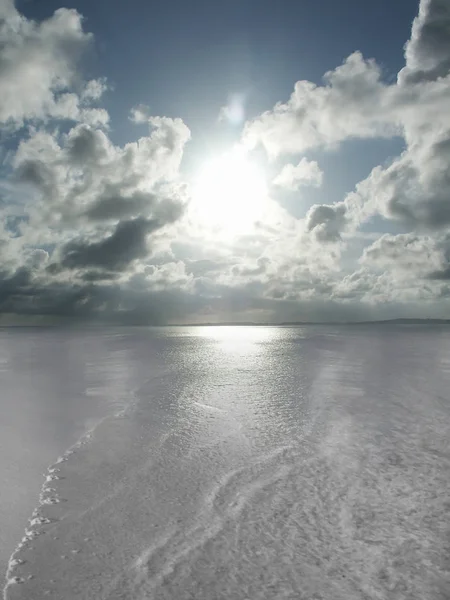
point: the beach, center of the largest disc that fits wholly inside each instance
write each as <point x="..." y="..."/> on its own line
<point x="234" y="462"/>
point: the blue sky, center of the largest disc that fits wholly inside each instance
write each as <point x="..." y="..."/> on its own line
<point x="185" y="59"/>
<point x="331" y="224"/>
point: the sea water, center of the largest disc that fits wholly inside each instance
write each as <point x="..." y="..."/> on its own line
<point x="227" y="462"/>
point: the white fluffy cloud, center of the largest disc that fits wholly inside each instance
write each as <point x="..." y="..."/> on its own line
<point x="292" y="177"/>
<point x="412" y="254"/>
<point x="355" y="102"/>
<point x="38" y="69"/>
<point x="414" y="189"/>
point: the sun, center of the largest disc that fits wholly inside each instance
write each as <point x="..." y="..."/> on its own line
<point x="229" y="193"/>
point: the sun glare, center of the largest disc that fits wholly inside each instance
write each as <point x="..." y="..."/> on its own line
<point x="229" y="193"/>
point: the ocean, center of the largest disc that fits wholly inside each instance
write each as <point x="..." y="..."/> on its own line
<point x="225" y="463"/>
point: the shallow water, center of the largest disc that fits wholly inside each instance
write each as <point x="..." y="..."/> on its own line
<point x="249" y="463"/>
<point x="54" y="385"/>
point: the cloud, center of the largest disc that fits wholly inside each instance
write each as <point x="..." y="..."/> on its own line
<point x="353" y="103"/>
<point x="413" y="254"/>
<point x="95" y="205"/>
<point x="234" y="110"/>
<point x="115" y="252"/>
<point x="171" y="275"/>
<point x="94" y="229"/>
<point x="415" y="187"/>
<point x="38" y="68"/>
<point x="427" y="53"/>
<point x="38" y="258"/>
<point x="140" y="114"/>
<point x="94" y="89"/>
<point x="441" y="274"/>
<point x="261" y="267"/>
<point x="326" y="221"/>
<point x="82" y="175"/>
<point x="307" y="172"/>
<point x="86" y="209"/>
<point x="114" y="206"/>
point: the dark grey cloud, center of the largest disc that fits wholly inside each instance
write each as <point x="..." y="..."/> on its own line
<point x="106" y="301"/>
<point x="113" y="204"/>
<point x="428" y="50"/>
<point x="127" y="243"/>
<point x="87" y="146"/>
<point x="37" y="174"/>
<point x="81" y="175"/>
<point x="98" y="275"/>
<point x="326" y="221"/>
<point x="13" y="284"/>
<point x="440" y="275"/>
<point x="419" y="193"/>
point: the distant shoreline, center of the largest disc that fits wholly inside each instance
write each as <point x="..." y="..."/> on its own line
<point x="97" y="324"/>
<point x="309" y="323"/>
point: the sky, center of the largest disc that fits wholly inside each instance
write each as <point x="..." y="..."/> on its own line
<point x="239" y="161"/>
